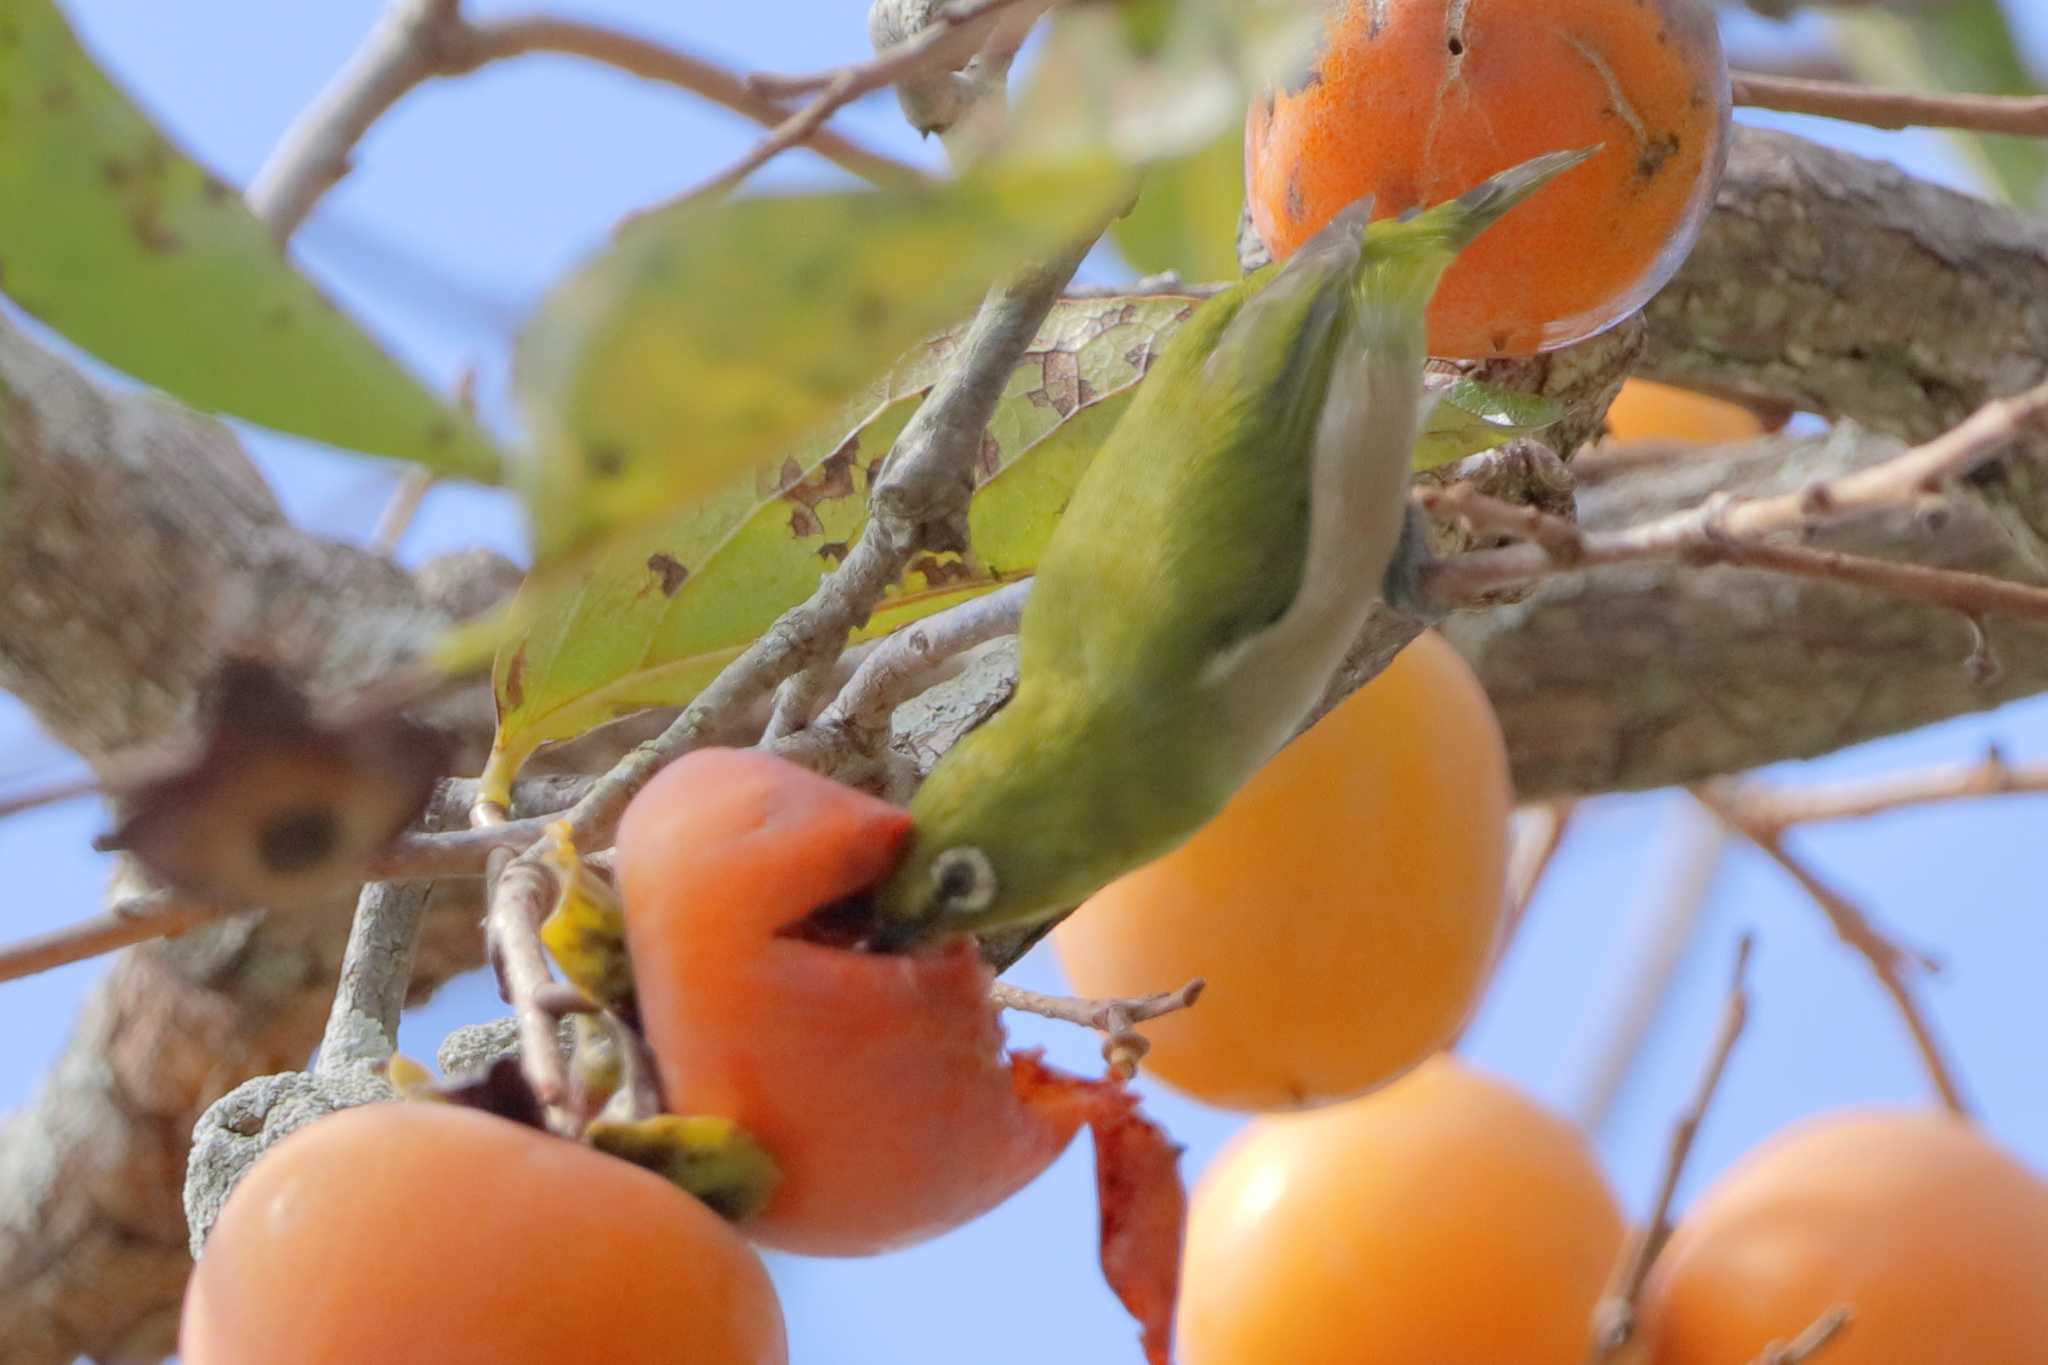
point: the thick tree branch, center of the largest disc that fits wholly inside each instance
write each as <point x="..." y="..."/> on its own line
<point x="1828" y="283"/>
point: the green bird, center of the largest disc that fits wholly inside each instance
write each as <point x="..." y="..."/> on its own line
<point x="1217" y="559"/>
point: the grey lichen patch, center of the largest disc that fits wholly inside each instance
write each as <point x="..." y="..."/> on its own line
<point x="251" y="1119"/>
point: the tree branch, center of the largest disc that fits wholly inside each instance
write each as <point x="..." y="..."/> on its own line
<point x="376" y="976"/>
<point x="1614" y="1319"/>
<point x="919" y="502"/>
<point x="1888" y="961"/>
<point x="418" y="40"/>
<point x="2019" y="115"/>
<point x="1776" y="810"/>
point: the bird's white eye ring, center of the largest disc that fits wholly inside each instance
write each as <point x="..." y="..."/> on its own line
<point x="963" y="881"/>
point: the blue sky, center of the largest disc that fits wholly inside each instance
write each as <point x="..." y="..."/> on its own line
<point x="475" y="194"/>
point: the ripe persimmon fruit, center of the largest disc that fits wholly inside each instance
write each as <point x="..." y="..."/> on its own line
<point x="1648" y="411"/>
<point x="427" y="1234"/>
<point x="1345" y="908"/>
<point x="1413" y="101"/>
<point x="1444" y="1220"/>
<point x="877" y="1081"/>
<point x="1934" y="1239"/>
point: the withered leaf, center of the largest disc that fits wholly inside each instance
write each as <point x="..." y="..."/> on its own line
<point x="1138" y="1191"/>
<point x="279" y="809"/>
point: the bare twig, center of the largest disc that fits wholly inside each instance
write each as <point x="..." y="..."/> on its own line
<point x="1687" y="859"/>
<point x="503" y="38"/>
<point x="919" y="502"/>
<point x="1122" y="1047"/>
<point x="1541" y="837"/>
<point x="1733" y="531"/>
<point x="955" y="33"/>
<point x="404" y="505"/>
<point x="1887" y="960"/>
<point x="312" y="157"/>
<point x="1614" y="1319"/>
<point x="521" y="894"/>
<point x="858" y="717"/>
<point x="1855" y="800"/>
<point x="1808" y="1344"/>
<point x="2020" y="115"/>
<point x="376" y="971"/>
<point x="418" y="40"/>
<point x="1559" y="539"/>
<point x="133" y="921"/>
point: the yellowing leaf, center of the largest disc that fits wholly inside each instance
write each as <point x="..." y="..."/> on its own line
<point x="705" y="1155"/>
<point x="713" y="335"/>
<point x="586" y="931"/>
<point x="114" y="238"/>
<point x="656" y="618"/>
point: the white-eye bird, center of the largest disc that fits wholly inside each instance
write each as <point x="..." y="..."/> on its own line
<point x="1217" y="559"/>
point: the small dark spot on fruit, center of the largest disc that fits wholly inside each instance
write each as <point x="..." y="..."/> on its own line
<point x="605" y="461"/>
<point x="1457" y="46"/>
<point x="832" y="551"/>
<point x="298" y="839"/>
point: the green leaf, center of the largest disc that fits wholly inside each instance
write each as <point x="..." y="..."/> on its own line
<point x="660" y="614"/>
<point x="713" y="335"/>
<point x="1187" y="211"/>
<point x="1472" y="416"/>
<point x="115" y="239"/>
<point x="1962" y="48"/>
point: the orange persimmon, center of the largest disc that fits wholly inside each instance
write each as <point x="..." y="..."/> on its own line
<point x="1445" y="1220"/>
<point x="1344" y="908"/>
<point x="426" y="1234"/>
<point x="1414" y="101"/>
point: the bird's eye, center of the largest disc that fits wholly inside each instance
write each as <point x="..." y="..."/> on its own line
<point x="963" y="880"/>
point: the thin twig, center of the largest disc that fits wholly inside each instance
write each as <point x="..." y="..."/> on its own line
<point x="496" y="39"/>
<point x="1733" y="530"/>
<point x="133" y="921"/>
<point x="1854" y="800"/>
<point x="892" y="672"/>
<point x="2019" y="115"/>
<point x="954" y="34"/>
<point x="1123" y="1047"/>
<point x="418" y="40"/>
<point x="1887" y="960"/>
<point x="1687" y="859"/>
<point x="922" y="494"/>
<point x="1808" y="1344"/>
<point x="1614" y="1319"/>
<point x="398" y="513"/>
<point x="376" y="973"/>
<point x="1541" y="836"/>
<point x="521" y="894"/>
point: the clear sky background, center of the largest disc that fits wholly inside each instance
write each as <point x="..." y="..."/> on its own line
<point x="475" y="194"/>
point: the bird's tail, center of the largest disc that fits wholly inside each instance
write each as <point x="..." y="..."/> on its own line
<point x="1403" y="258"/>
<point x="1451" y="226"/>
